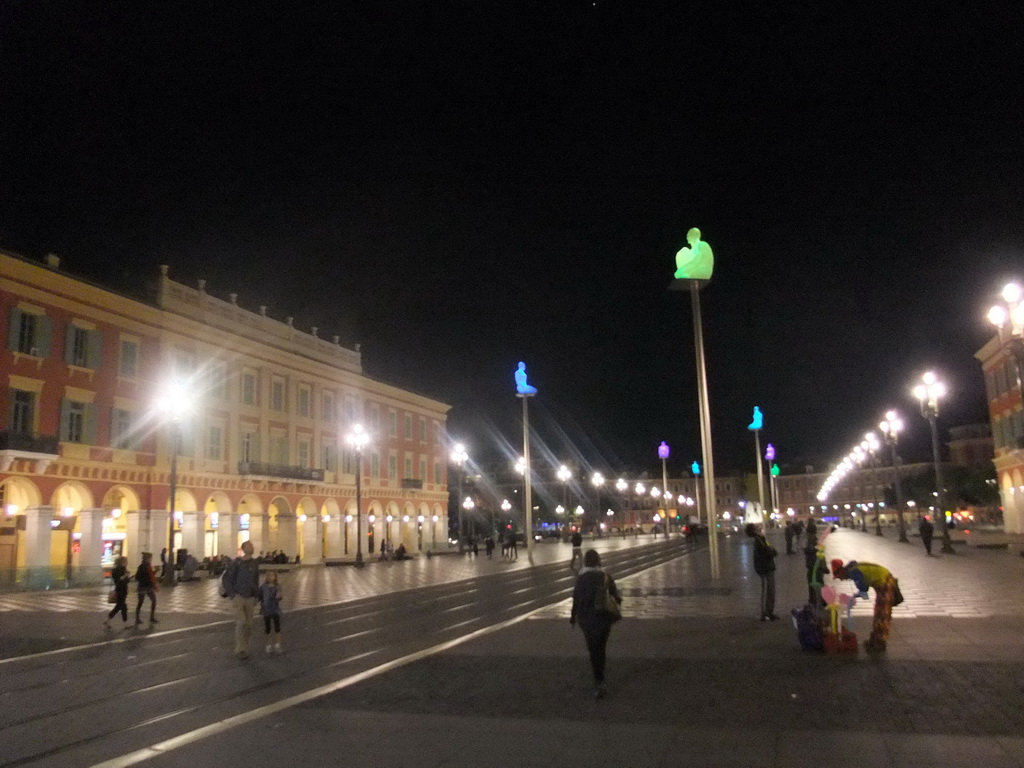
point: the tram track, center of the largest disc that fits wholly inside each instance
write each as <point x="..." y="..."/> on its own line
<point x="546" y="580"/>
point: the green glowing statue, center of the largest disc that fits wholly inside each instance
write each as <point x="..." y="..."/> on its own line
<point x="696" y="262"/>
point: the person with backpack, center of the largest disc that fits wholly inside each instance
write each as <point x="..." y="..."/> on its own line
<point x="591" y="606"/>
<point x="241" y="584"/>
<point x="147" y="586"/>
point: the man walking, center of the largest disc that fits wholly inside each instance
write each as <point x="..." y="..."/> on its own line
<point x="145" y="579"/>
<point x="242" y="586"/>
<point x="577" y="549"/>
<point x="927" y="530"/>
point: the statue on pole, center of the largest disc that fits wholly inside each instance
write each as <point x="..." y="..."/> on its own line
<point x="695" y="262"/>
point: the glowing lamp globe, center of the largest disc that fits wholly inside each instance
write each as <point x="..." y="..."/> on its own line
<point x="663" y="450"/>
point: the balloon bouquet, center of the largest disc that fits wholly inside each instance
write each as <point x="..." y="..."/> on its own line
<point x="838" y="638"/>
<point x="819" y="625"/>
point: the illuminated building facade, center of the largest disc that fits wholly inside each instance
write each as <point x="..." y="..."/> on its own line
<point x="85" y="457"/>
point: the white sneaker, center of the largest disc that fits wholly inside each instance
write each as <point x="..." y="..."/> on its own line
<point x="269" y="648"/>
<point x="277" y="648"/>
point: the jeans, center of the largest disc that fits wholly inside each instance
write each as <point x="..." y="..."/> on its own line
<point x="767" y="594"/>
<point x="143" y="594"/>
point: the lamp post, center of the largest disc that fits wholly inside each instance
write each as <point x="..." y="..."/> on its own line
<point x="891" y="428"/>
<point x="769" y="456"/>
<point x="773" y="481"/>
<point x="597" y="480"/>
<point x="565" y="475"/>
<point x="622" y="486"/>
<point x="928" y="393"/>
<point x="755" y="426"/>
<point x="1008" y="318"/>
<point x="433" y="532"/>
<point x="870" y="446"/>
<point x="173" y="403"/>
<point x="358" y="439"/>
<point x="525" y="391"/>
<point x="468" y="505"/>
<point x="459" y="457"/>
<point x="695" y="469"/>
<point x="656" y="494"/>
<point x="663" y="453"/>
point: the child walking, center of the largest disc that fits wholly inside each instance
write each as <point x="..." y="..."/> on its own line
<point x="270" y="607"/>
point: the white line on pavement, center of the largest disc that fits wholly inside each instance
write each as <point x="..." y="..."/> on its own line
<point x="213" y="729"/>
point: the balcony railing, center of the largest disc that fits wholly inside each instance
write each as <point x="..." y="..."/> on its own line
<point x="22" y="441"/>
<point x="280" y="470"/>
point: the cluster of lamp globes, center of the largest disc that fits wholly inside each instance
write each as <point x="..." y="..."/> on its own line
<point x="867" y="447"/>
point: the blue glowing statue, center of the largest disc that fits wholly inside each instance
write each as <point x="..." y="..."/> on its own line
<point x="695" y="468"/>
<point x="521" y="386"/>
<point x="758" y="420"/>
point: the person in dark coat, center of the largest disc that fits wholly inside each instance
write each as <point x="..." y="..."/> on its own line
<point x="596" y="626"/>
<point x="790" y="532"/>
<point x="120" y="577"/>
<point x="927" y="530"/>
<point x="764" y="566"/>
<point x="147" y="586"/>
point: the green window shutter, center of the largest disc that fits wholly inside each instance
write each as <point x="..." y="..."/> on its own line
<point x="65" y="415"/>
<point x="14" y="330"/>
<point x="255" y="447"/>
<point x="95" y="349"/>
<point x="89" y="427"/>
<point x="44" y="334"/>
<point x="69" y="344"/>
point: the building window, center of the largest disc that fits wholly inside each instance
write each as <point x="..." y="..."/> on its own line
<point x="278" y="449"/>
<point x="219" y="381"/>
<point x="437" y="472"/>
<point x="214" y="443"/>
<point x="305" y="396"/>
<point x="408" y="427"/>
<point x="392" y="423"/>
<point x="330" y="457"/>
<point x="82" y="347"/>
<point x="392" y="467"/>
<point x="304" y="454"/>
<point x="375" y="419"/>
<point x="77" y="422"/>
<point x="327" y="410"/>
<point x="249" y="447"/>
<point x="248" y="388"/>
<point x="423" y="430"/>
<point x="129" y="364"/>
<point x="29" y="333"/>
<point x="277" y="402"/>
<point x="348" y="462"/>
<point x="350" y="410"/>
<point x="375" y="464"/>
<point x="121" y="429"/>
<point x="408" y="466"/>
<point x="23" y="407"/>
<point x="423" y="468"/>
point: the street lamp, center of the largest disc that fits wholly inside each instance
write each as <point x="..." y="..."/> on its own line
<point x="869" y="445"/>
<point x="928" y="393"/>
<point x="597" y="480"/>
<point x="174" y="402"/>
<point x="663" y="453"/>
<point x="358" y="439"/>
<point x="468" y="505"/>
<point x="1008" y="318"/>
<point x="769" y="456"/>
<point x="755" y="426"/>
<point x="459" y="457"/>
<point x="891" y="428"/>
<point x="565" y="475"/>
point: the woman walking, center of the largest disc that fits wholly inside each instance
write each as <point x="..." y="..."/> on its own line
<point x="270" y="607"/>
<point x="593" y="586"/>
<point x="120" y="577"/>
<point x="147" y="586"/>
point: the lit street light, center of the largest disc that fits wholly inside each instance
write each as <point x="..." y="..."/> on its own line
<point x="1008" y="318"/>
<point x="597" y="480"/>
<point x="358" y="439"/>
<point x="565" y="475"/>
<point x="173" y="403"/>
<point x="459" y="457"/>
<point x="928" y="393"/>
<point x="891" y="428"/>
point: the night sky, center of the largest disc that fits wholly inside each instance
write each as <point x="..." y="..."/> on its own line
<point x="458" y="186"/>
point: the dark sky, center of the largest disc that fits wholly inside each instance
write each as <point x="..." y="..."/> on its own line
<point x="459" y="186"/>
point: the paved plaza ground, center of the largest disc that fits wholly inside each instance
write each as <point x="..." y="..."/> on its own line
<point x="694" y="679"/>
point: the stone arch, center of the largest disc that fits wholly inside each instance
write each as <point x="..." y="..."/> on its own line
<point x="20" y="493"/>
<point x="217" y="502"/>
<point x="121" y="497"/>
<point x="282" y="526"/>
<point x="374" y="525"/>
<point x="73" y="495"/>
<point x="309" y="542"/>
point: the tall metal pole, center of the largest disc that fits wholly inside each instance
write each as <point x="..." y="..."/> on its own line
<point x="462" y="515"/>
<point x="696" y="494"/>
<point x="664" y="494"/>
<point x="940" y="507"/>
<point x="705" y="429"/>
<point x="168" y="574"/>
<point x="526" y="476"/>
<point x="898" y="488"/>
<point x="359" y="507"/>
<point x="760" y="470"/>
<point x="874" y="494"/>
